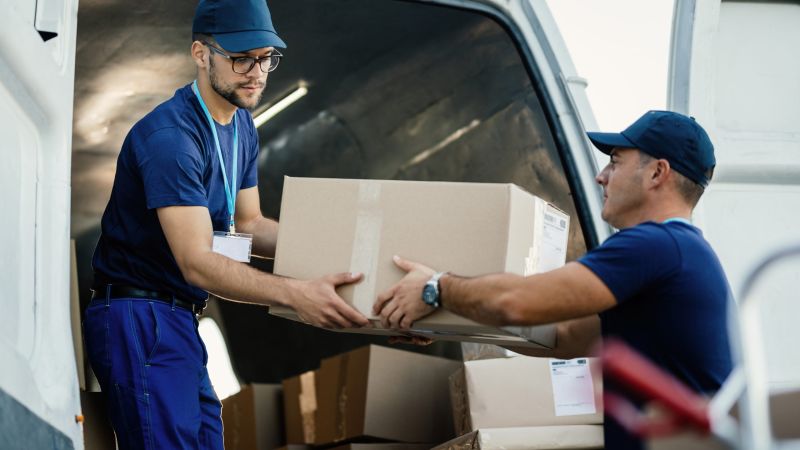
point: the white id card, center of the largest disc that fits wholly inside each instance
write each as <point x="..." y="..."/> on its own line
<point x="236" y="246"/>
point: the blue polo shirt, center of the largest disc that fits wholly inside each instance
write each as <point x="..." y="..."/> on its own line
<point x="169" y="158"/>
<point x="672" y="305"/>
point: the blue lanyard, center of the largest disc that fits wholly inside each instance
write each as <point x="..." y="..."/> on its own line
<point x="229" y="190"/>
<point x="677" y="219"/>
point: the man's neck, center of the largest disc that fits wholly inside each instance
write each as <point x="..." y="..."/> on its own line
<point x="662" y="213"/>
<point x="221" y="109"/>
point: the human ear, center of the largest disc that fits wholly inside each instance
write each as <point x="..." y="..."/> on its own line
<point x="661" y="171"/>
<point x="198" y="53"/>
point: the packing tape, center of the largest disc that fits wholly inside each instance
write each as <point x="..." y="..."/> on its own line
<point x="308" y="406"/>
<point x="366" y="244"/>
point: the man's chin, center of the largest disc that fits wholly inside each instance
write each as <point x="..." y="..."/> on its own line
<point x="249" y="102"/>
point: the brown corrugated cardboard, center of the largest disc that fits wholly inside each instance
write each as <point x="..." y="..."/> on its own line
<point x="529" y="438"/>
<point x="784" y="409"/>
<point x="252" y="418"/>
<point x="300" y="408"/>
<point x="336" y="225"/>
<point x="75" y="316"/>
<point x="518" y="392"/>
<point x="97" y="431"/>
<point x="384" y="393"/>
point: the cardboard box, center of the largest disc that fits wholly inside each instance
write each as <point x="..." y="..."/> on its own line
<point x="384" y="393"/>
<point x="97" y="431"/>
<point x="337" y="225"/>
<point x="300" y="408"/>
<point x="529" y="438"/>
<point x="75" y="316"/>
<point x="784" y="409"/>
<point x="525" y="391"/>
<point x="251" y="418"/>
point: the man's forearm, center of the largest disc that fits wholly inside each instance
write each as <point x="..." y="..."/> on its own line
<point x="562" y="294"/>
<point x="479" y="298"/>
<point x="233" y="280"/>
<point x="265" y="235"/>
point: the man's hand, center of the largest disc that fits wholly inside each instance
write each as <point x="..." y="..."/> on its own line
<point x="318" y="304"/>
<point x="401" y="305"/>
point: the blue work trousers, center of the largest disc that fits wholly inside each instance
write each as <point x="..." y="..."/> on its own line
<point x="151" y="364"/>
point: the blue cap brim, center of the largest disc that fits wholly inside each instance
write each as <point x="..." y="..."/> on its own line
<point x="243" y="41"/>
<point x="605" y="142"/>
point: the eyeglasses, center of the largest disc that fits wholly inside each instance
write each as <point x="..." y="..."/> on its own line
<point x="244" y="64"/>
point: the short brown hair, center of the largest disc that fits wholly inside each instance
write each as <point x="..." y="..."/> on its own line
<point x="688" y="189"/>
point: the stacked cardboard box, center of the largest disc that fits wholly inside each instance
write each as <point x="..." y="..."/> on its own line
<point x="372" y="393"/>
<point x="529" y="438"/>
<point x="336" y="225"/>
<point x="536" y="402"/>
<point x="253" y="419"/>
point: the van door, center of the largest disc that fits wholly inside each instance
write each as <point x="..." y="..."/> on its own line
<point x="38" y="383"/>
<point x="735" y="67"/>
<point x="563" y="94"/>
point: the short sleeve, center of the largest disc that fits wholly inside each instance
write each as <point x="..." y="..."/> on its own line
<point x="633" y="259"/>
<point x="250" y="173"/>
<point x="172" y="167"/>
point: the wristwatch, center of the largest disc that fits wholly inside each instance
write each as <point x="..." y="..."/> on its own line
<point x="431" y="291"/>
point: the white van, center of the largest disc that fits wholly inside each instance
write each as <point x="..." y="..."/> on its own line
<point x="461" y="90"/>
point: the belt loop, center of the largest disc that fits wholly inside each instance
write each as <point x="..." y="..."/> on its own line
<point x="174" y="302"/>
<point x="108" y="295"/>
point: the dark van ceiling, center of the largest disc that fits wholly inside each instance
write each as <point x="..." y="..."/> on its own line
<point x="397" y="89"/>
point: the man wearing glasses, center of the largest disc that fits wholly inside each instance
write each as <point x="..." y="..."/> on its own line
<point x="184" y="214"/>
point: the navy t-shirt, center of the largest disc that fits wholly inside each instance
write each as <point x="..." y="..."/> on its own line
<point x="672" y="304"/>
<point x="169" y="158"/>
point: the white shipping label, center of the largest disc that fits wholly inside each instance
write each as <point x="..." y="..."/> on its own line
<point x="236" y="246"/>
<point x="573" y="390"/>
<point x="553" y="248"/>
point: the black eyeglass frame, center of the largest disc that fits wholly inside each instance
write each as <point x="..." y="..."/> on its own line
<point x="274" y="57"/>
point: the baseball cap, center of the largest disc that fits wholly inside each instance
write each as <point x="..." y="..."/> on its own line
<point x="666" y="135"/>
<point x="237" y="25"/>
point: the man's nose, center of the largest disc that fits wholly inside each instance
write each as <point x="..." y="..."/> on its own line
<point x="601" y="177"/>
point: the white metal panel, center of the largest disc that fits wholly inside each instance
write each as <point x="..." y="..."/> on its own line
<point x="17" y="223"/>
<point x="36" y="88"/>
<point x="735" y="66"/>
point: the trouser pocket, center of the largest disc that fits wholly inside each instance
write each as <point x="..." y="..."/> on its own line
<point x="144" y="319"/>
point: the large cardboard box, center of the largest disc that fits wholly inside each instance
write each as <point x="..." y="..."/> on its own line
<point x="251" y="418"/>
<point x="337" y="225"/>
<point x="75" y="316"/>
<point x="300" y="408"/>
<point x="384" y="393"/>
<point x="525" y="391"/>
<point x="529" y="438"/>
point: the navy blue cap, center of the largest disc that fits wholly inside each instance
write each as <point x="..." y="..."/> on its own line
<point x="666" y="135"/>
<point x="237" y="25"/>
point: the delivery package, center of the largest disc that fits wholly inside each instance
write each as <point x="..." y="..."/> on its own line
<point x="380" y="393"/>
<point x="300" y="408"/>
<point x="529" y="438"/>
<point x="339" y="225"/>
<point x="524" y="391"/>
<point x="252" y="418"/>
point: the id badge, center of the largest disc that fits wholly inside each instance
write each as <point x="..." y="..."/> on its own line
<point x="236" y="246"/>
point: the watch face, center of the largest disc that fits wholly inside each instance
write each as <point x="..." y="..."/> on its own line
<point x="429" y="294"/>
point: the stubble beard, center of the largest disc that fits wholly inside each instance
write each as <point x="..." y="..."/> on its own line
<point x="228" y="92"/>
